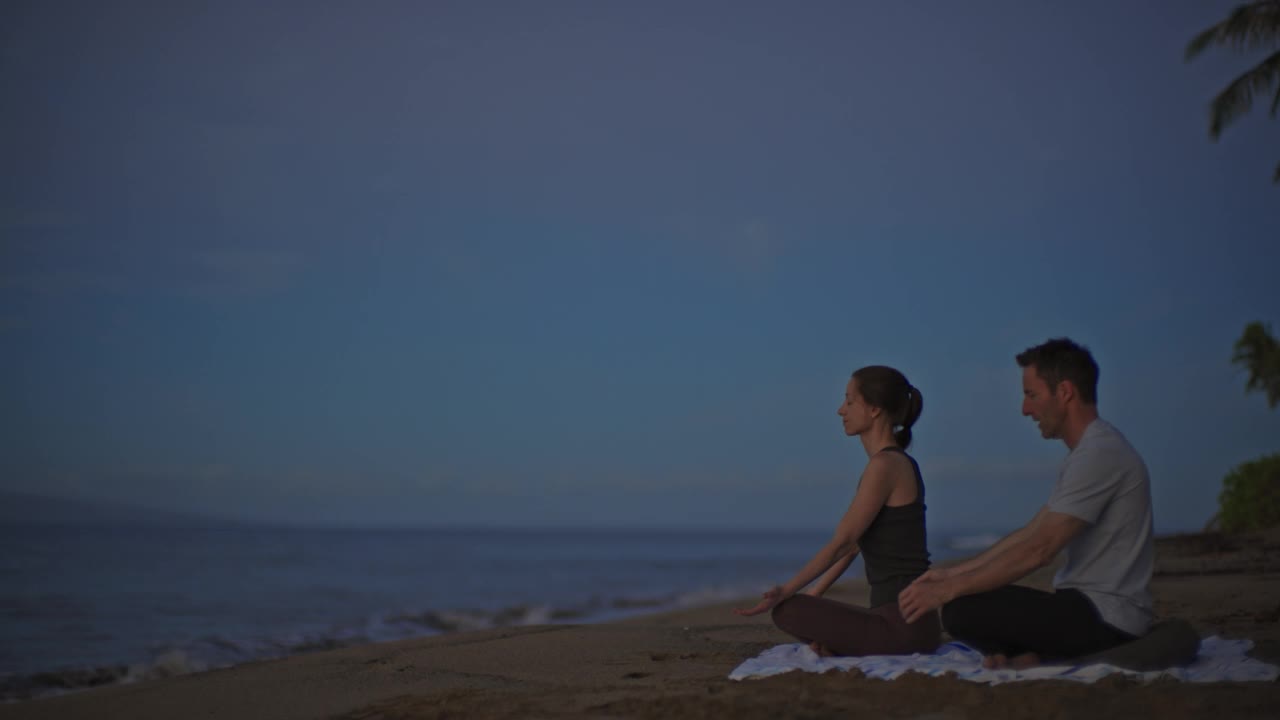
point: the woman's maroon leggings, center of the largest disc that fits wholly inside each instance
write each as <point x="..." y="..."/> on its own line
<point x="847" y="629"/>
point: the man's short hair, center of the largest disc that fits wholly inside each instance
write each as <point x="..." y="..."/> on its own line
<point x="1061" y="359"/>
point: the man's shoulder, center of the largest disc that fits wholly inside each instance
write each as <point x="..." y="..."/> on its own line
<point x="1101" y="430"/>
<point x="1103" y="437"/>
<point x="1104" y="448"/>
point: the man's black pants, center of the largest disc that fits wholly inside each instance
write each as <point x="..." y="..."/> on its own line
<point x="1013" y="620"/>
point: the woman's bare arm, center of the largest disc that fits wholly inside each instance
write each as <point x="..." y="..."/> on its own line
<point x="873" y="490"/>
<point x="829" y="578"/>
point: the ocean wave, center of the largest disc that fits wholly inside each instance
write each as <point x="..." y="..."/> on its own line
<point x="58" y="682"/>
<point x="218" y="651"/>
<point x="977" y="541"/>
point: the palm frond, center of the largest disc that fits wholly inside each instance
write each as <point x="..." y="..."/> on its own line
<point x="1201" y="41"/>
<point x="1246" y="28"/>
<point x="1258" y="352"/>
<point x="1237" y="98"/>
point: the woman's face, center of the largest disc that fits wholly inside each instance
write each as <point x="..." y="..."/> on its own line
<point x="854" y="411"/>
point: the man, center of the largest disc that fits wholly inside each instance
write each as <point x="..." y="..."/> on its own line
<point x="1099" y="512"/>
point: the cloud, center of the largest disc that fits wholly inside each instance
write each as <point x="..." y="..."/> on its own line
<point x="36" y="219"/>
<point x="750" y="246"/>
<point x="244" y="271"/>
<point x="988" y="493"/>
<point x="34" y="257"/>
<point x="62" y="281"/>
<point x="157" y="483"/>
<point x="997" y="470"/>
<point x="10" y="322"/>
<point x="754" y="247"/>
<point x="214" y="273"/>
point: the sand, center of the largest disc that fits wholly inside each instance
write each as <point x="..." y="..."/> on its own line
<point x="675" y="665"/>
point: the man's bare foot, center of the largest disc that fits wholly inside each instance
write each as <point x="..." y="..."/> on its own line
<point x="820" y="649"/>
<point x="999" y="661"/>
<point x="1024" y="661"/>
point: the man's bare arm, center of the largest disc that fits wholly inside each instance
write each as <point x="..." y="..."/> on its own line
<point x="1037" y="548"/>
<point x="1046" y="536"/>
<point x="991" y="553"/>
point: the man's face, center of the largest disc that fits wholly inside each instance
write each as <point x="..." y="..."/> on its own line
<point x="1042" y="404"/>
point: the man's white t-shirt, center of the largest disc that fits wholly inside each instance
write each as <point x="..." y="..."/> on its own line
<point x="1104" y="482"/>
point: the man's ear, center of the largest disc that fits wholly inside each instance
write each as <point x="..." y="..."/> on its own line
<point x="1065" y="391"/>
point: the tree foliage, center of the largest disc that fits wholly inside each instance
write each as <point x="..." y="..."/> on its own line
<point x="1258" y="353"/>
<point x="1252" y="27"/>
<point x="1250" y="498"/>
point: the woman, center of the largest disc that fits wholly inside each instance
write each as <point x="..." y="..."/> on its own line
<point x="885" y="522"/>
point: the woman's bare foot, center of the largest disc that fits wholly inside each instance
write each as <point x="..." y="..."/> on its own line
<point x="999" y="661"/>
<point x="996" y="661"/>
<point x="821" y="650"/>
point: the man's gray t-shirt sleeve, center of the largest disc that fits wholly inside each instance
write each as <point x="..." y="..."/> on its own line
<point x="1087" y="484"/>
<point x="1104" y="482"/>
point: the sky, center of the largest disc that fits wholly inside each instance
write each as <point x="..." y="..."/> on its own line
<point x="612" y="263"/>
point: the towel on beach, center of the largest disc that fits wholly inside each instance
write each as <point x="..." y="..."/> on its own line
<point x="1218" y="660"/>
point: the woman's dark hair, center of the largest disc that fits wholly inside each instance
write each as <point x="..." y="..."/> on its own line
<point x="883" y="387"/>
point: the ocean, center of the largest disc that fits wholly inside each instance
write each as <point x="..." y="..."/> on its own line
<point x="81" y="607"/>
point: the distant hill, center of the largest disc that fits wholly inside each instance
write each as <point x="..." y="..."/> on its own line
<point x="26" y="510"/>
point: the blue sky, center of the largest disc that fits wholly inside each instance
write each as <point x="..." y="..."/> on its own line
<point x="612" y="263"/>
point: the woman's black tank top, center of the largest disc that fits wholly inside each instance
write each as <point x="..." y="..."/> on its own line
<point x="895" y="547"/>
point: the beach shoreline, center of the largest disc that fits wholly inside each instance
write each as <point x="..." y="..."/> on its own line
<point x="676" y="663"/>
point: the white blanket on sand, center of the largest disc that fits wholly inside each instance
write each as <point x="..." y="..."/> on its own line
<point x="1218" y="660"/>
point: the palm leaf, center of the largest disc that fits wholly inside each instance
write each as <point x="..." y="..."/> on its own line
<point x="1246" y="28"/>
<point x="1258" y="352"/>
<point x="1237" y="98"/>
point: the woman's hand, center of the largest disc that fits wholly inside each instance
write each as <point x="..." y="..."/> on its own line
<point x="768" y="600"/>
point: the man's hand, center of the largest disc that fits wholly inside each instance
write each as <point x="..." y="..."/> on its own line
<point x="771" y="597"/>
<point x="935" y="574"/>
<point x="924" y="596"/>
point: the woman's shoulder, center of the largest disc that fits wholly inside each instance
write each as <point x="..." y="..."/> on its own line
<point x="893" y="454"/>
<point x="896" y="464"/>
<point x="894" y="460"/>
